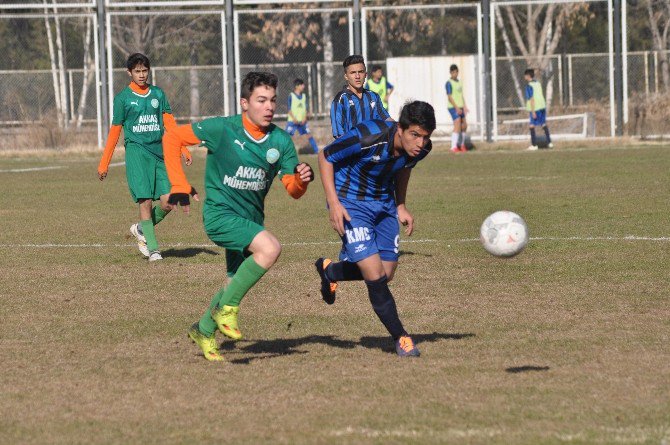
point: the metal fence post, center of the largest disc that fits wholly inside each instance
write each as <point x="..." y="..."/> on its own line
<point x="488" y="89"/>
<point x="358" y="47"/>
<point x="230" y="58"/>
<point x="618" y="68"/>
<point x="102" y="87"/>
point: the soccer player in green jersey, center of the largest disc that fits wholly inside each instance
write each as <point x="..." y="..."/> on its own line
<point x="244" y="154"/>
<point x="143" y="112"/>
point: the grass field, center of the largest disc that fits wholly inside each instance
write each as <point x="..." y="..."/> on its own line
<point x="566" y="343"/>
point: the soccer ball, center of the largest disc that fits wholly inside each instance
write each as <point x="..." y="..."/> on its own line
<point x="504" y="233"/>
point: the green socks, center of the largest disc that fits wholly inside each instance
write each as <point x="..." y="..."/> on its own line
<point x="157" y="214"/>
<point x="207" y="325"/>
<point x="149" y="234"/>
<point x="246" y="276"/>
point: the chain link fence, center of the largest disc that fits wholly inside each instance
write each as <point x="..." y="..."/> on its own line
<point x="51" y="66"/>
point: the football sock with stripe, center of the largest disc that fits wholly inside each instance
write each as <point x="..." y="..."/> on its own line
<point x="343" y="271"/>
<point x="384" y="306"/>
<point x="546" y="133"/>
<point x="207" y="325"/>
<point x="149" y="234"/>
<point x="245" y="278"/>
<point x="533" y="139"/>
<point x="157" y="214"/>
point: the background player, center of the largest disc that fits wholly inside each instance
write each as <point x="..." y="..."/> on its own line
<point x="354" y="104"/>
<point x="143" y="111"/>
<point x="457" y="109"/>
<point x="297" y="113"/>
<point x="244" y="154"/>
<point x="365" y="174"/>
<point x="380" y="85"/>
<point x="537" y="107"/>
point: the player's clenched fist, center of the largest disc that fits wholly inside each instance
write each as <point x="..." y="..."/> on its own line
<point x="305" y="171"/>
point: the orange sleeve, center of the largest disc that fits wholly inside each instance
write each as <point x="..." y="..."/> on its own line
<point x="173" y="140"/>
<point x="168" y="121"/>
<point x="185" y="152"/>
<point x="294" y="186"/>
<point x="112" y="139"/>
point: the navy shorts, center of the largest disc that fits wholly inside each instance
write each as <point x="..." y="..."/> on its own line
<point x="455" y="115"/>
<point x="541" y="118"/>
<point x="292" y="127"/>
<point x="373" y="228"/>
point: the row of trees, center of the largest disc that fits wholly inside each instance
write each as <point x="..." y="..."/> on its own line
<point x="535" y="32"/>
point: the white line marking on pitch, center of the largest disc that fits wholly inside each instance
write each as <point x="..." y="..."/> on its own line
<point x="323" y="243"/>
<point x="32" y="169"/>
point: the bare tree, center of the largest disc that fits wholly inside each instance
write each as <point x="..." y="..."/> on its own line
<point x="537" y="31"/>
<point x="659" y="22"/>
<point x="88" y="74"/>
<point x="55" y="44"/>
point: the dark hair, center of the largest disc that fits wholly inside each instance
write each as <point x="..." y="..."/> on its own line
<point x="453" y="68"/>
<point x="255" y="79"/>
<point x="298" y="82"/>
<point x="352" y="60"/>
<point x="529" y="72"/>
<point x="375" y="68"/>
<point x="417" y="113"/>
<point x="137" y="59"/>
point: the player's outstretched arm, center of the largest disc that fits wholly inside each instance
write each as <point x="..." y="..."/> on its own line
<point x="337" y="212"/>
<point x="404" y="215"/>
<point x="181" y="189"/>
<point x="112" y="140"/>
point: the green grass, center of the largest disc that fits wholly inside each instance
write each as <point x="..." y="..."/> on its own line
<point x="566" y="343"/>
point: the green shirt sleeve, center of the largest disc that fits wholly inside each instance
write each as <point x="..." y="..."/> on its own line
<point x="118" y="111"/>
<point x="165" y="106"/>
<point x="209" y="131"/>
<point x="288" y="158"/>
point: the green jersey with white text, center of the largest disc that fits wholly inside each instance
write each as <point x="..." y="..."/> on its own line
<point x="240" y="169"/>
<point x="142" y="117"/>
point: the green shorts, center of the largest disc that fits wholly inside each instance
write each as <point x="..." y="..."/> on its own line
<point x="233" y="233"/>
<point x="146" y="174"/>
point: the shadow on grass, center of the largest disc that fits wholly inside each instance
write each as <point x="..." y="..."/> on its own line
<point x="409" y="252"/>
<point x="264" y="349"/>
<point x="526" y="368"/>
<point x="188" y="252"/>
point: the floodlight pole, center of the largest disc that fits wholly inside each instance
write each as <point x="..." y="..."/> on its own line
<point x="230" y="57"/>
<point x="358" y="47"/>
<point x="486" y="28"/>
<point x="618" y="68"/>
<point x="102" y="88"/>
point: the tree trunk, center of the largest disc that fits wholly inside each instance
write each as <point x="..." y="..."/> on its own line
<point x="61" y="70"/>
<point x="328" y="66"/>
<point x="54" y="72"/>
<point x="509" y="53"/>
<point x="660" y="39"/>
<point x="194" y="81"/>
<point x="88" y="75"/>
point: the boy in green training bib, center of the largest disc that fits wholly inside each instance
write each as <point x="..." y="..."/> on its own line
<point x="143" y="112"/>
<point x="244" y="154"/>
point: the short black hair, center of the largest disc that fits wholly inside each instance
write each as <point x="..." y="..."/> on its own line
<point x="417" y="113"/>
<point x="453" y="67"/>
<point x="529" y="72"/>
<point x="255" y="79"/>
<point x="352" y="60"/>
<point x="375" y="68"/>
<point x="137" y="59"/>
<point x="298" y="82"/>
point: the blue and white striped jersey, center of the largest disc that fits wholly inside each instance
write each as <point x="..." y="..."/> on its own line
<point x="347" y="110"/>
<point x="364" y="162"/>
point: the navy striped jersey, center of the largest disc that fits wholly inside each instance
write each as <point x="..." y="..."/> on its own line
<point x="347" y="110"/>
<point x="364" y="163"/>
